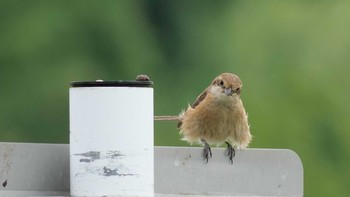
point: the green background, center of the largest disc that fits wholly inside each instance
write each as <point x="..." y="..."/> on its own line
<point x="293" y="58"/>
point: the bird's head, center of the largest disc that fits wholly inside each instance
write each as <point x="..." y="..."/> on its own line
<point x="226" y="84"/>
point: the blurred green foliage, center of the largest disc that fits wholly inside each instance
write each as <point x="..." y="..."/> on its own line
<point x="293" y="58"/>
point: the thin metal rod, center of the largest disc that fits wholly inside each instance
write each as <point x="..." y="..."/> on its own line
<point x="167" y="118"/>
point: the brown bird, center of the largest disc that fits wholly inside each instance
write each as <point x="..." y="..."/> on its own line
<point x="217" y="116"/>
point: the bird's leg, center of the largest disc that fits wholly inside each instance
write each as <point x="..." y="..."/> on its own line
<point x="206" y="150"/>
<point x="230" y="152"/>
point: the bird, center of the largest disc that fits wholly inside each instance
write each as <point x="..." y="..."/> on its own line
<point x="217" y="116"/>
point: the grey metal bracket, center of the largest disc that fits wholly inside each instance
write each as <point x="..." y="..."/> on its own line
<point x="43" y="170"/>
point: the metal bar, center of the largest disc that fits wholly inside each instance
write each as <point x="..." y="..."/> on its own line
<point x="43" y="170"/>
<point x="167" y="118"/>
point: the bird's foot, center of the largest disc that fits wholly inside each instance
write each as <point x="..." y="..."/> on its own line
<point x="230" y="152"/>
<point x="206" y="151"/>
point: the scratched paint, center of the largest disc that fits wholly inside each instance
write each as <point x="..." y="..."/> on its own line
<point x="5" y="163"/>
<point x="108" y="163"/>
<point x="4" y="184"/>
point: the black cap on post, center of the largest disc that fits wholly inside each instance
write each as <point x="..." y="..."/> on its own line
<point x="141" y="81"/>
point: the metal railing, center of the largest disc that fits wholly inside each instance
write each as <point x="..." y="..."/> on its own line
<point x="43" y="170"/>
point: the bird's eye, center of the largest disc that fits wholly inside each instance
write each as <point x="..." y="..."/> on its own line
<point x="238" y="90"/>
<point x="221" y="82"/>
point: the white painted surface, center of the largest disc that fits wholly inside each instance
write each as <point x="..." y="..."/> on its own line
<point x="111" y="141"/>
<point x="43" y="170"/>
<point x="254" y="172"/>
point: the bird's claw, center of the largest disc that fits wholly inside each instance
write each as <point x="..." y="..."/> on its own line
<point x="230" y="152"/>
<point x="206" y="151"/>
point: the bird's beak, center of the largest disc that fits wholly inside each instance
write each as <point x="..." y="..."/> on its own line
<point x="228" y="91"/>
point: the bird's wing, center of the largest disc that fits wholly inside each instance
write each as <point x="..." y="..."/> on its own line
<point x="179" y="124"/>
<point x="195" y="104"/>
<point x="199" y="99"/>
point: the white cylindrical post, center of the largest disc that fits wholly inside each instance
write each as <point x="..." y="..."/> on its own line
<point x="111" y="138"/>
